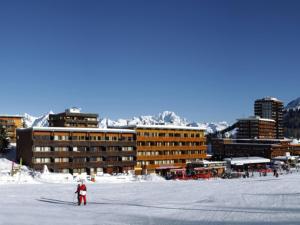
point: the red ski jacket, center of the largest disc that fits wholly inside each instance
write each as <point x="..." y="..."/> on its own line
<point x="82" y="190"/>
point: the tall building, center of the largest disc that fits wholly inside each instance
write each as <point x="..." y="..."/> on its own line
<point x="77" y="150"/>
<point x="162" y="147"/>
<point x="11" y="123"/>
<point x="271" y="108"/>
<point x="73" y="118"/>
<point x="256" y="127"/>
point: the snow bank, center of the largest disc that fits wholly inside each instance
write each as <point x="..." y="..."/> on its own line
<point x="25" y="175"/>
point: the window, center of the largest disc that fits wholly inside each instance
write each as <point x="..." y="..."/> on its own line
<point x="161" y="134"/>
<point x="61" y="138"/>
<point x="61" y="149"/>
<point x="126" y="149"/>
<point x="94" y="149"/>
<point x="95" y="159"/>
<point x="81" y="138"/>
<point x="42" y="160"/>
<point x="42" y="149"/>
<point x="60" y="160"/>
<point x="94" y="138"/>
<point x="127" y="158"/>
<point x="79" y="160"/>
<point x="65" y="171"/>
<point x="42" y="137"/>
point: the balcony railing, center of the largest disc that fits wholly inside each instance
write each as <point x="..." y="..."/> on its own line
<point x="66" y="154"/>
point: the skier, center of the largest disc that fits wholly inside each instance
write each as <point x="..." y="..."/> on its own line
<point x="78" y="194"/>
<point x="82" y="194"/>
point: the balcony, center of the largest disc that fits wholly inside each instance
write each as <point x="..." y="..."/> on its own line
<point x="83" y="143"/>
<point x="86" y="154"/>
<point x="170" y="157"/>
<point x="171" y="139"/>
<point x="174" y="148"/>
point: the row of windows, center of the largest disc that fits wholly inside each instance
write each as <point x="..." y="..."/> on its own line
<point x="84" y="138"/>
<point x="79" y="125"/>
<point x="159" y="162"/>
<point x="154" y="143"/>
<point x="182" y="135"/>
<point x="156" y="153"/>
<point x="83" y="118"/>
<point x="80" y="160"/>
<point x="82" y="149"/>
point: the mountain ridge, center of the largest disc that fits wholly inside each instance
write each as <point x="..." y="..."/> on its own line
<point x="163" y="118"/>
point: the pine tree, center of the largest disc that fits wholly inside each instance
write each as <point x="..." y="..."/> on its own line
<point x="3" y="139"/>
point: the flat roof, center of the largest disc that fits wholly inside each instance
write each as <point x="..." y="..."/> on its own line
<point x="206" y="162"/>
<point x="269" y="98"/>
<point x="253" y="143"/>
<point x="162" y="127"/>
<point x="12" y="116"/>
<point x="257" y="119"/>
<point x="253" y="139"/>
<point x="75" y="114"/>
<point x="286" y="157"/>
<point x="239" y="161"/>
<point x="78" y="129"/>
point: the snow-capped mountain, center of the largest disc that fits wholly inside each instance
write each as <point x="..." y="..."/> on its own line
<point x="211" y="127"/>
<point x="166" y="118"/>
<point x="293" y="105"/>
<point x="33" y="121"/>
<point x="291" y="119"/>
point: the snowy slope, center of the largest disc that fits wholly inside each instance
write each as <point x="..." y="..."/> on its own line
<point x="252" y="201"/>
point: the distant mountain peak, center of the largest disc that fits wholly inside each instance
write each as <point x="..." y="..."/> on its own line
<point x="40" y="121"/>
<point x="293" y="105"/>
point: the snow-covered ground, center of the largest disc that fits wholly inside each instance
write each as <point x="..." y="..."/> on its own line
<point x="252" y="201"/>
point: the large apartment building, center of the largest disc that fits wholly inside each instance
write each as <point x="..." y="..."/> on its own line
<point x="11" y="123"/>
<point x="77" y="150"/>
<point x="163" y="146"/>
<point x="73" y="118"/>
<point x="271" y="108"/>
<point x="267" y="148"/>
<point x="257" y="128"/>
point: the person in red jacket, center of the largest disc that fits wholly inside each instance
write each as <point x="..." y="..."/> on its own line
<point x="82" y="194"/>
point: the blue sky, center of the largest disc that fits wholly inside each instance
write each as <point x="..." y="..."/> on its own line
<point x="205" y="60"/>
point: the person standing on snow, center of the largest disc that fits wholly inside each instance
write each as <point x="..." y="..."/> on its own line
<point x="82" y="194"/>
<point x="78" y="195"/>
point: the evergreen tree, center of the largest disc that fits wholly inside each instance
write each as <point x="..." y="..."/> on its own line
<point x="3" y="139"/>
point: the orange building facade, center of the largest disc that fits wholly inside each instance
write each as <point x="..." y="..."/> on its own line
<point x="162" y="146"/>
<point x="11" y="123"/>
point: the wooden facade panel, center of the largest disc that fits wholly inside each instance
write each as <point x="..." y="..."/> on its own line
<point x="41" y="133"/>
